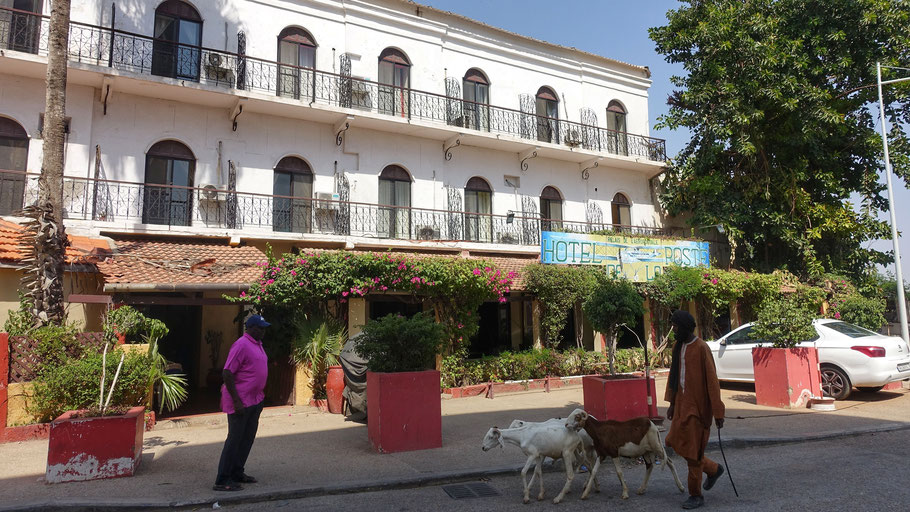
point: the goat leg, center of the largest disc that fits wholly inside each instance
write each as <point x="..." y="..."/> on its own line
<point x="591" y="478"/>
<point x="569" y="457"/>
<point x="649" y="464"/>
<point x="538" y="471"/>
<point x="625" y="490"/>
<point x="524" y="477"/>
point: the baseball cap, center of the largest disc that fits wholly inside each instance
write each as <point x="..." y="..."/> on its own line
<point x="256" y="321"/>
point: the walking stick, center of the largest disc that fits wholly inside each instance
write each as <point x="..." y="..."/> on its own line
<point x="727" y="464"/>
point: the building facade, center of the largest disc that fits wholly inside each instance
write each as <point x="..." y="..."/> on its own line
<point x="353" y="124"/>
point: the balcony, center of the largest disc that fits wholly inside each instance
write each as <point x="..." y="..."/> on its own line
<point x="193" y="210"/>
<point x="27" y="32"/>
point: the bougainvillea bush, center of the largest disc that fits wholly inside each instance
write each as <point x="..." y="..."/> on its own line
<point x="454" y="287"/>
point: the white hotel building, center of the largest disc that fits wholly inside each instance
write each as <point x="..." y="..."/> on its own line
<point x="352" y="124"/>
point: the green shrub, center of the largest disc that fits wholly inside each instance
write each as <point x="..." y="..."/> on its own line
<point x="612" y="303"/>
<point x="56" y="344"/>
<point x="75" y="384"/>
<point x="395" y="343"/>
<point x="786" y="321"/>
<point x="132" y="325"/>
<point x="863" y="311"/>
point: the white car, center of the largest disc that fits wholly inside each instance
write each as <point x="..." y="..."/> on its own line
<point x="848" y="354"/>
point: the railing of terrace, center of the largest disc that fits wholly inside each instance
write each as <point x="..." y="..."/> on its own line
<point x="25" y="31"/>
<point x="120" y="201"/>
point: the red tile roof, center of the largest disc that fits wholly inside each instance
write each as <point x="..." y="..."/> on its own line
<point x="145" y="261"/>
<point x="82" y="249"/>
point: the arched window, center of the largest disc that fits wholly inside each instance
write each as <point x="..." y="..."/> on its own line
<point x="292" y="179"/>
<point x="616" y="124"/>
<point x="547" y="115"/>
<point x="21" y="31"/>
<point x="297" y="51"/>
<point x="551" y="209"/>
<point x="477" y="100"/>
<point x="394" y="82"/>
<point x="169" y="173"/>
<point x="178" y="36"/>
<point x="13" y="163"/>
<point x="395" y="203"/>
<point x="622" y="212"/>
<point x="478" y="207"/>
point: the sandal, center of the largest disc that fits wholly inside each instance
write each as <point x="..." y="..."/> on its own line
<point x="227" y="487"/>
<point x="246" y="479"/>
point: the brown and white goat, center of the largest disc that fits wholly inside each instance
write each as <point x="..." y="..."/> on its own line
<point x="637" y="437"/>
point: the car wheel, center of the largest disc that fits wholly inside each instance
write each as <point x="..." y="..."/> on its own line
<point x="869" y="389"/>
<point x="835" y="383"/>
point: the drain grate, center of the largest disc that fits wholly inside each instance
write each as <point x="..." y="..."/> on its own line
<point x="471" y="490"/>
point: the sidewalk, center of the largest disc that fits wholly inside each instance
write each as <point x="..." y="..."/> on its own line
<point x="302" y="452"/>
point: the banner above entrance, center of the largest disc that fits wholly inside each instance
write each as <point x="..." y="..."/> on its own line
<point x="639" y="259"/>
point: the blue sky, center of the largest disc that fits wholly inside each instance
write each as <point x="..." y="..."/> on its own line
<point x="619" y="30"/>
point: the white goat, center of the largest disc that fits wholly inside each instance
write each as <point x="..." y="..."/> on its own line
<point x="637" y="437"/>
<point x="584" y="455"/>
<point x="538" y="441"/>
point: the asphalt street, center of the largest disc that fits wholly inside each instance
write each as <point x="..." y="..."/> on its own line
<point x="866" y="472"/>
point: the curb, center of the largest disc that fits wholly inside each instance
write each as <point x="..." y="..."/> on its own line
<point x="400" y="483"/>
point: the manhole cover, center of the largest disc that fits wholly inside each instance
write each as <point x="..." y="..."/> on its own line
<point x="471" y="490"/>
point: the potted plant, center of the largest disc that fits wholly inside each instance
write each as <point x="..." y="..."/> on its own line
<point x="405" y="411"/>
<point x="123" y="324"/>
<point x="317" y="346"/>
<point x="613" y="303"/>
<point x="786" y="374"/>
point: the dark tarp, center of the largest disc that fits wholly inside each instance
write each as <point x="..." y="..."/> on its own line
<point x="355" y="380"/>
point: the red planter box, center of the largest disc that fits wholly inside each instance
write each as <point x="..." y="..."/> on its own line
<point x="92" y="448"/>
<point x="786" y="377"/>
<point x="404" y="411"/>
<point x="618" y="398"/>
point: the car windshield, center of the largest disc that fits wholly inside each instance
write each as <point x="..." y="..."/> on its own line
<point x="854" y="331"/>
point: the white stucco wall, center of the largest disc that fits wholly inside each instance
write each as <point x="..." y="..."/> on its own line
<point x="437" y="45"/>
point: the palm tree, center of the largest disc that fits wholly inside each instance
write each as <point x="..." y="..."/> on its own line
<point x="43" y="280"/>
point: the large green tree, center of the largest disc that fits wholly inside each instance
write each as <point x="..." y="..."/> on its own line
<point x="783" y="130"/>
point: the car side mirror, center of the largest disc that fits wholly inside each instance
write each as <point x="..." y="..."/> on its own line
<point x="723" y="343"/>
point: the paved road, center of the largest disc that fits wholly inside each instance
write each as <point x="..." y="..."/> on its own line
<point x="859" y="473"/>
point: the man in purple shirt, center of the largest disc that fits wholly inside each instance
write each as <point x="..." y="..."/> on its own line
<point x="245" y="373"/>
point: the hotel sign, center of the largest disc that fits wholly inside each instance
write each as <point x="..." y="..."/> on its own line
<point x="639" y="259"/>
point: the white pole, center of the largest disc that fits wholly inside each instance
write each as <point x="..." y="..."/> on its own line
<point x="901" y="301"/>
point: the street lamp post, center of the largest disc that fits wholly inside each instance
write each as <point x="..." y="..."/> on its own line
<point x="901" y="301"/>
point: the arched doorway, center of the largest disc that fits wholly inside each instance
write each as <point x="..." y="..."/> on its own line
<point x="170" y="167"/>
<point x="293" y="179"/>
<point x="13" y="164"/>
<point x="178" y="38"/>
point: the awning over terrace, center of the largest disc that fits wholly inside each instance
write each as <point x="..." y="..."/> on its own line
<point x="151" y="265"/>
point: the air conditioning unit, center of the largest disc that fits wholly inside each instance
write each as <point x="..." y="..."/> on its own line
<point x="211" y="193"/>
<point x="215" y="60"/>
<point x="573" y="137"/>
<point x="428" y="233"/>
<point x="327" y="200"/>
<point x="360" y="93"/>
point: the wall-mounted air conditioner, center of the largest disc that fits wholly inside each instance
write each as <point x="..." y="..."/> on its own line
<point x="327" y="200"/>
<point x="211" y="193"/>
<point x="428" y="233"/>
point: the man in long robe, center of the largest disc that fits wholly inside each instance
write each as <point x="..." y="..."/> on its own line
<point x="694" y="395"/>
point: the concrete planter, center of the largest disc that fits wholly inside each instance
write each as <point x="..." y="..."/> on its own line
<point x="405" y="411"/>
<point x="93" y="448"/>
<point x="619" y="398"/>
<point x="786" y="377"/>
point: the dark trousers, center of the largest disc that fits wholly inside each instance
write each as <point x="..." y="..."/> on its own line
<point x="241" y="434"/>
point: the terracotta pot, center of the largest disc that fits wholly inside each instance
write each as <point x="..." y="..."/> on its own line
<point x="92" y="448"/>
<point x="334" y="386"/>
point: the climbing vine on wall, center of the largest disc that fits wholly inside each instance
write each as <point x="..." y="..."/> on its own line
<point x="455" y="287"/>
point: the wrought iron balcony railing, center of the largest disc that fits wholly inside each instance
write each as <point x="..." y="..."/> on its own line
<point x="119" y="201"/>
<point x="27" y="32"/>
